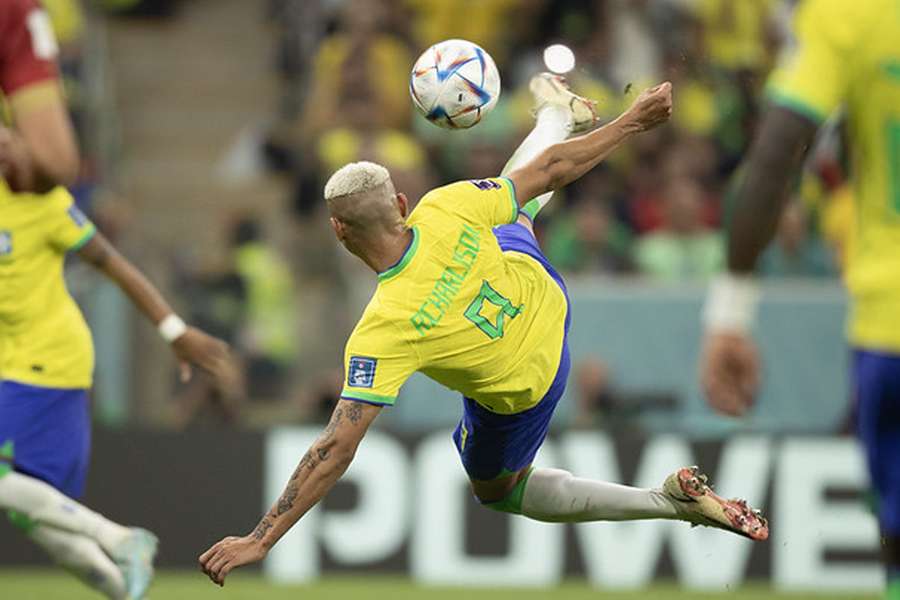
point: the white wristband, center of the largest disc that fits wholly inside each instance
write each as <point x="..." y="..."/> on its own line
<point x="731" y="303"/>
<point x="171" y="328"/>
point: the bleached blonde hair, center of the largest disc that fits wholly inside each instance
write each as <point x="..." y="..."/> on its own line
<point x="361" y="194"/>
<point x="356" y="178"/>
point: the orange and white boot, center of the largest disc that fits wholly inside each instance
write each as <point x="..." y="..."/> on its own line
<point x="701" y="506"/>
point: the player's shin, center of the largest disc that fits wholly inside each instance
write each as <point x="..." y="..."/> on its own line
<point x="43" y="504"/>
<point x="551" y="127"/>
<point x="83" y="557"/>
<point x="557" y="496"/>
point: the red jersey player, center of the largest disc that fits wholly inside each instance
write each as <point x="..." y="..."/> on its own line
<point x="40" y="151"/>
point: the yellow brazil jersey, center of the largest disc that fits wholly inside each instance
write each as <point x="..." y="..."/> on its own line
<point x="44" y="340"/>
<point x="478" y="320"/>
<point x="848" y="54"/>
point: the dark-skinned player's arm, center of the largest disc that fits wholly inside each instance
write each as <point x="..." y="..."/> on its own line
<point x="563" y="163"/>
<point x="729" y="367"/>
<point x="190" y="345"/>
<point x="317" y="472"/>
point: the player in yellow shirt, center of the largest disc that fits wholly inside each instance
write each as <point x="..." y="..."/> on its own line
<point x="46" y="354"/>
<point x="466" y="297"/>
<point x="46" y="369"/>
<point x="847" y="54"/>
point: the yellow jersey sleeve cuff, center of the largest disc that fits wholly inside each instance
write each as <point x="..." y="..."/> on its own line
<point x="89" y="232"/>
<point x="511" y="189"/>
<point x="368" y="397"/>
<point x="795" y="104"/>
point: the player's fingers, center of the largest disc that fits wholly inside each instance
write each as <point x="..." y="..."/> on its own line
<point x="217" y="565"/>
<point x="226" y="569"/>
<point x="204" y="558"/>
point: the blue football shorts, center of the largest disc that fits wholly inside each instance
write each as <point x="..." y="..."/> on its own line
<point x="51" y="433"/>
<point x="876" y="382"/>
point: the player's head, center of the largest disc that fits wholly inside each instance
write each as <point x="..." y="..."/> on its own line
<point x="364" y="206"/>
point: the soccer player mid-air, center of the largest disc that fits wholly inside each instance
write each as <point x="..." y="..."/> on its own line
<point x="465" y="296"/>
<point x="46" y="353"/>
<point x="848" y="54"/>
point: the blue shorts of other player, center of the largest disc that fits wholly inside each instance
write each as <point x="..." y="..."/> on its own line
<point x="51" y="433"/>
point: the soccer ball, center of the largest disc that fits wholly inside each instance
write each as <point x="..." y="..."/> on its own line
<point x="455" y="84"/>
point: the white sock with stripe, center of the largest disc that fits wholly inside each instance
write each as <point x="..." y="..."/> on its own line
<point x="556" y="496"/>
<point x="43" y="504"/>
<point x="84" y="558"/>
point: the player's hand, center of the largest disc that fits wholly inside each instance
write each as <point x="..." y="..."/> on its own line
<point x="211" y="354"/>
<point x="653" y="107"/>
<point x="230" y="553"/>
<point x="729" y="372"/>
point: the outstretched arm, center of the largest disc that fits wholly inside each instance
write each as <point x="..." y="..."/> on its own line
<point x="190" y="345"/>
<point x="318" y="471"/>
<point x="729" y="367"/>
<point x="563" y="163"/>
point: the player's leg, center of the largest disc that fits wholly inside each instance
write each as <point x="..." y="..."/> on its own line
<point x="558" y="113"/>
<point x="78" y="554"/>
<point x="50" y="429"/>
<point x="877" y="384"/>
<point x="497" y="451"/>
<point x="41" y="503"/>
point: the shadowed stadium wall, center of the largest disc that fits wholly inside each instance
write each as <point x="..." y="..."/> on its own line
<point x="648" y="334"/>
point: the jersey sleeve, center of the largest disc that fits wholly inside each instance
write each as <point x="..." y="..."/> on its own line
<point x="813" y="74"/>
<point x="68" y="228"/>
<point x="376" y="362"/>
<point x="484" y="202"/>
<point x="28" y="47"/>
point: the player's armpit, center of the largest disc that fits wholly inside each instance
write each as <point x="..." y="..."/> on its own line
<point x="783" y="140"/>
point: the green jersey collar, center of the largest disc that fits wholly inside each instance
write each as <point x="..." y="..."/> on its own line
<point x="404" y="260"/>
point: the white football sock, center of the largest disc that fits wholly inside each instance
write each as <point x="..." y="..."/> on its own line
<point x="41" y="503"/>
<point x="557" y="496"/>
<point x="84" y="558"/>
<point x="551" y="127"/>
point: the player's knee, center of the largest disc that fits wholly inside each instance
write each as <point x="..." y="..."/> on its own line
<point x="507" y="498"/>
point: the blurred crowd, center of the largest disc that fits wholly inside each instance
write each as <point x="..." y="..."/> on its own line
<point x="655" y="210"/>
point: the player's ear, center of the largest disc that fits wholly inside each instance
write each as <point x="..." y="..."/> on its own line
<point x="338" y="228"/>
<point x="402" y="204"/>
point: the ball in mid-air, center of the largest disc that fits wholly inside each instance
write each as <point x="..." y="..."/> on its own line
<point x="455" y="84"/>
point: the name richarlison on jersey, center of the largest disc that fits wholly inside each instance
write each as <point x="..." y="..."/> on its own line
<point x="448" y="284"/>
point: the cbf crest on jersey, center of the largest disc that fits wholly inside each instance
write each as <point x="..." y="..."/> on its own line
<point x="361" y="372"/>
<point x="6" y="243"/>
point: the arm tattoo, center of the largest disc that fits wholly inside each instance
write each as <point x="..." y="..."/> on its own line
<point x="354" y="412"/>
<point x="307" y="462"/>
<point x="286" y="502"/>
<point x="333" y="424"/>
<point x="264" y="526"/>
